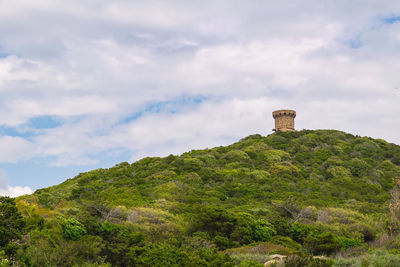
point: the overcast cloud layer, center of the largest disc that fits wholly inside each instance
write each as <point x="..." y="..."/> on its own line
<point x="86" y="84"/>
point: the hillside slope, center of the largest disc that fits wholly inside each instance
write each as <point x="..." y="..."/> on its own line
<point x="321" y="168"/>
<point x="296" y="193"/>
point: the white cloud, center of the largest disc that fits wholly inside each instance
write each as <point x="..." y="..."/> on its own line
<point x="13" y="149"/>
<point x="205" y="125"/>
<point x="12" y="191"/>
<point x="93" y="64"/>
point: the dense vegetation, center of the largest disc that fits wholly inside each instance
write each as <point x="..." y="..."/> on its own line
<point x="297" y="194"/>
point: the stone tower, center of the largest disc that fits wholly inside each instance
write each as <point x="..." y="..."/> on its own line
<point x="284" y="120"/>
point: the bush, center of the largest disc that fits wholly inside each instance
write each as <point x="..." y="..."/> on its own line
<point x="122" y="244"/>
<point x="281" y="224"/>
<point x="338" y="172"/>
<point x="192" y="164"/>
<point x="358" y="167"/>
<point x="230" y="229"/>
<point x="73" y="229"/>
<point x="49" y="248"/>
<point x="169" y="255"/>
<point x="346" y="242"/>
<point x="222" y="242"/>
<point x="236" y="156"/>
<point x="299" y="231"/>
<point x="262" y="230"/>
<point x="325" y="243"/>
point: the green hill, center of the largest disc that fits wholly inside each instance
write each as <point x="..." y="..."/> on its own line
<point x="299" y="194"/>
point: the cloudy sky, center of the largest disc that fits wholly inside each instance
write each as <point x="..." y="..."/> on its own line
<point x="87" y="84"/>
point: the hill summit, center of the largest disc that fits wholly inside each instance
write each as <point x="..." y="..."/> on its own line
<point x="294" y="193"/>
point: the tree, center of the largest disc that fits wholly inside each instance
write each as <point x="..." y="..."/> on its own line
<point x="11" y="221"/>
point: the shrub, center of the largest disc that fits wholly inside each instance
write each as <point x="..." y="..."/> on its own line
<point x="221" y="242"/>
<point x="260" y="176"/>
<point x="346" y="242"/>
<point x="262" y="230"/>
<point x="192" y="164"/>
<point x="169" y="255"/>
<point x="236" y="156"/>
<point x="281" y="224"/>
<point x="238" y="228"/>
<point x="299" y="231"/>
<point x="73" y="229"/>
<point x="49" y="248"/>
<point x="325" y="243"/>
<point x="358" y="167"/>
<point x="338" y="172"/>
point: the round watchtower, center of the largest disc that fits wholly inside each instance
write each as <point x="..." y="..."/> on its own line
<point x="284" y="120"/>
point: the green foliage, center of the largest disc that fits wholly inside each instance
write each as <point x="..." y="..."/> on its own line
<point x="122" y="243"/>
<point x="299" y="232"/>
<point x="11" y="221"/>
<point x="322" y="168"/>
<point x="327" y="243"/>
<point x="48" y="248"/>
<point x="281" y="224"/>
<point x="4" y="262"/>
<point x="169" y="255"/>
<point x="73" y="229"/>
<point x="230" y="229"/>
<point x="346" y="242"/>
<point x="321" y="191"/>
<point x="262" y="230"/>
<point x="236" y="156"/>
<point x="358" y="167"/>
<point x="338" y="172"/>
<point x="192" y="164"/>
<point x="324" y="243"/>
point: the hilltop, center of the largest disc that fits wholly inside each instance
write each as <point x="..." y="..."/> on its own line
<point x="322" y="192"/>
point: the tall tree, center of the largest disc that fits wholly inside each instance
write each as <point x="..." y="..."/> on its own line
<point x="11" y="221"/>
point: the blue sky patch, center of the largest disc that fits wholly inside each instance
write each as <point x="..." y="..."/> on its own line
<point x="356" y="42"/>
<point x="10" y="131"/>
<point x="38" y="173"/>
<point x="30" y="128"/>
<point x="391" y="20"/>
<point x="44" y="122"/>
<point x="170" y="106"/>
